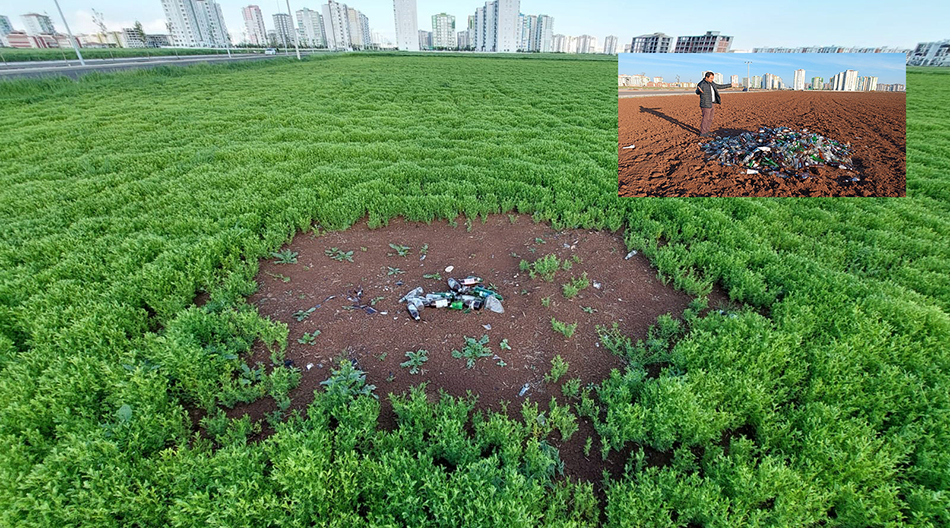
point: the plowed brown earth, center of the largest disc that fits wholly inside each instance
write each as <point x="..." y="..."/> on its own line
<point x="667" y="160"/>
<point x="626" y="292"/>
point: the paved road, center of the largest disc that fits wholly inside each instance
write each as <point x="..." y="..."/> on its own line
<point x="74" y="69"/>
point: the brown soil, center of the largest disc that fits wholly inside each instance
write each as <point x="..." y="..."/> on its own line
<point x="667" y="160"/>
<point x="629" y="294"/>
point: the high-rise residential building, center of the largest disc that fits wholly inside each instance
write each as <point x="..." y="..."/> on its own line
<point x="734" y="80"/>
<point x="610" y="45"/>
<point x="443" y="31"/>
<point x="711" y="42"/>
<point x="310" y="28"/>
<point x="5" y="26"/>
<point x="407" y="25"/>
<point x="254" y="24"/>
<point x="655" y="43"/>
<point x="543" y="34"/>
<point x="850" y="81"/>
<point x="817" y="83"/>
<point x="425" y="39"/>
<point x="717" y="78"/>
<point x="527" y="32"/>
<point x="196" y="23"/>
<point x="284" y="27"/>
<point x="626" y="48"/>
<point x="496" y="26"/>
<point x="462" y="40"/>
<point x="336" y="24"/>
<point x="586" y="44"/>
<point x="930" y="54"/>
<point x="132" y="38"/>
<point x="756" y="81"/>
<point x="360" y="37"/>
<point x="871" y="84"/>
<point x="471" y="32"/>
<point x="798" y="83"/>
<point x="559" y="43"/>
<point x="37" y="24"/>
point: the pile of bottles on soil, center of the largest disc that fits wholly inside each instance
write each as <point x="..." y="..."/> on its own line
<point x="465" y="294"/>
<point x="779" y="151"/>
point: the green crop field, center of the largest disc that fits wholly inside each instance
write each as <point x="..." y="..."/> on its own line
<point x="824" y="402"/>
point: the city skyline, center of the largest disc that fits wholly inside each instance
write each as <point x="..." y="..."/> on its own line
<point x="889" y="68"/>
<point x="892" y="25"/>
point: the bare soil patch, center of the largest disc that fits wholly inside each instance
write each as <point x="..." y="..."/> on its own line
<point x="667" y="160"/>
<point x="629" y="294"/>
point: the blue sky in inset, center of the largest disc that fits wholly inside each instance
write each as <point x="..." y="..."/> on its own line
<point x="846" y="23"/>
<point x="889" y="68"/>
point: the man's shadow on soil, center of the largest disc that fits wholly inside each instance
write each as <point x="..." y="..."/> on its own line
<point x="661" y="115"/>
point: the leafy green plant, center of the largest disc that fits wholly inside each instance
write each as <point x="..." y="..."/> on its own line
<point x="400" y="250"/>
<point x="588" y="309"/>
<point x="415" y="361"/>
<point x="546" y="301"/>
<point x="434" y="276"/>
<point x="571" y="388"/>
<point x="424" y="249"/>
<point x="278" y="276"/>
<point x="338" y="254"/>
<point x="300" y="315"/>
<point x="576" y="284"/>
<point x="473" y="350"/>
<point x="558" y="369"/>
<point x="545" y="267"/>
<point x="393" y="271"/>
<point x="308" y="338"/>
<point x="285" y="256"/>
<point x="504" y="344"/>
<point x="347" y="382"/>
<point x="567" y="330"/>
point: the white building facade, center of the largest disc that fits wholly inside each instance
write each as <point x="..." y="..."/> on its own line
<point x="407" y="25"/>
<point x="254" y="25"/>
<point x="336" y="24"/>
<point x="798" y="83"/>
<point x="196" y="23"/>
<point x="310" y="28"/>
<point x="37" y="24"/>
<point x="443" y="31"/>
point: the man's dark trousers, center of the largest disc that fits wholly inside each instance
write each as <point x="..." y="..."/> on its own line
<point x="707" y="120"/>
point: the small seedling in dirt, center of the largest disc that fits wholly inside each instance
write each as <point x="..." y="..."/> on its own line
<point x="587" y="445"/>
<point x="433" y="276"/>
<point x="308" y="338"/>
<point x="588" y="309"/>
<point x="300" y="315"/>
<point x="391" y="377"/>
<point x="501" y="363"/>
<point x="566" y="265"/>
<point x="402" y="251"/>
<point x="576" y="285"/>
<point x="539" y="240"/>
<point x="558" y="369"/>
<point x="382" y="357"/>
<point x="363" y="248"/>
<point x="576" y="259"/>
<point x="375" y="300"/>
<point x="504" y="344"/>
<point x="415" y="361"/>
<point x="468" y="225"/>
<point x="393" y="271"/>
<point x="278" y="276"/>
<point x="285" y="257"/>
<point x="571" y="388"/>
<point x="512" y="218"/>
<point x="567" y="330"/>
<point x="545" y="266"/>
<point x="338" y="254"/>
<point x="424" y="249"/>
<point x="473" y="350"/>
<point x="546" y="301"/>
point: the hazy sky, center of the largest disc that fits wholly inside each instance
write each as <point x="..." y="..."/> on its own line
<point x="847" y="23"/>
<point x="889" y="68"/>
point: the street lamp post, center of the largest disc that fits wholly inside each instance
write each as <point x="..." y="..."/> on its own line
<point x="70" y="33"/>
<point x="291" y="15"/>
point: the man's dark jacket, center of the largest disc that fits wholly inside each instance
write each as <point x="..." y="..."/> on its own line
<point x="706" y="97"/>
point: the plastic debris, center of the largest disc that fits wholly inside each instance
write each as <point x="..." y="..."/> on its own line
<point x="524" y="390"/>
<point x="465" y="294"/>
<point x="309" y="366"/>
<point x="774" y="150"/>
<point x="630" y="255"/>
<point x="449" y="269"/>
<point x="630" y="147"/>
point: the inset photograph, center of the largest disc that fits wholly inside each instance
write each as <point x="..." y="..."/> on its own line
<point x="762" y="124"/>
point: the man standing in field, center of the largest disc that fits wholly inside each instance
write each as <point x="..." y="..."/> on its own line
<point x="708" y="93"/>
